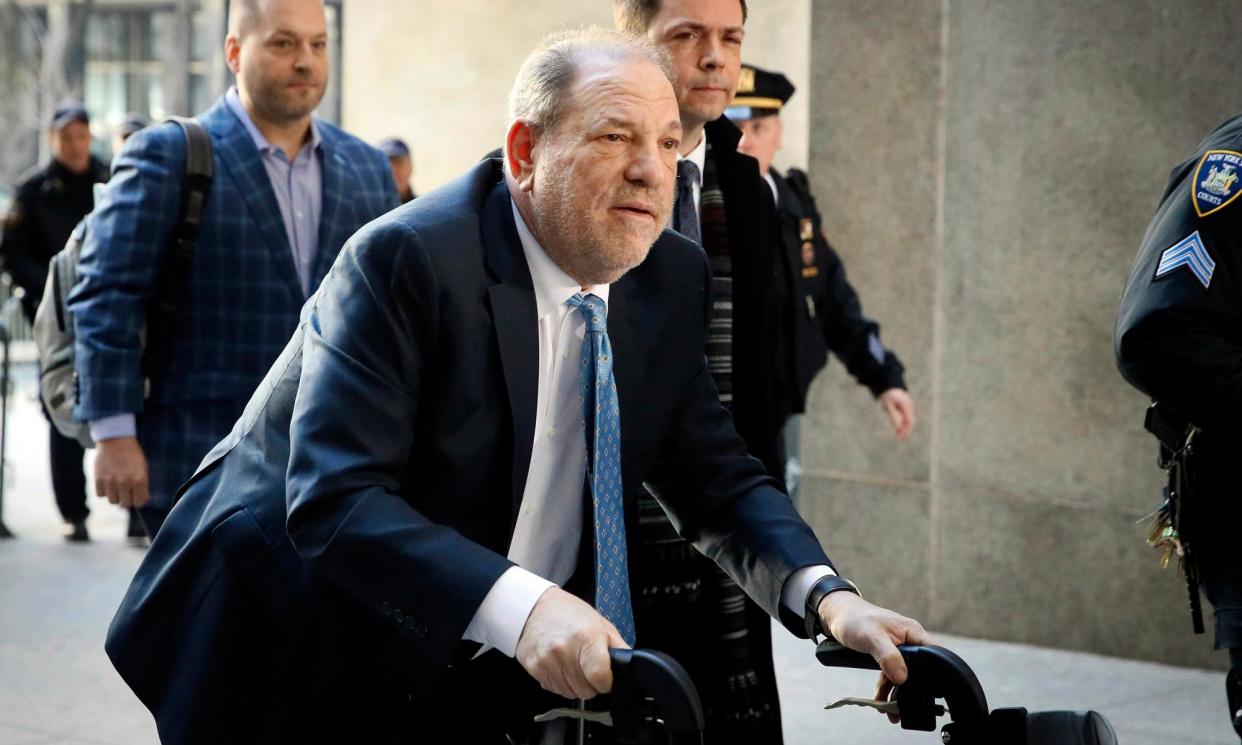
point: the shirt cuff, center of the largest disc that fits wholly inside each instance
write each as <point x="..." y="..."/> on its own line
<point x="798" y="587"/>
<point x="502" y="615"/>
<point x="112" y="427"/>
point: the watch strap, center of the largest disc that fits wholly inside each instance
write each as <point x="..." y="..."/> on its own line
<point x="822" y="588"/>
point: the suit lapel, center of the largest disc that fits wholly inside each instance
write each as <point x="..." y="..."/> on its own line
<point x="332" y="215"/>
<point x="516" y="320"/>
<point x="626" y="303"/>
<point x="790" y="229"/>
<point x="241" y="160"/>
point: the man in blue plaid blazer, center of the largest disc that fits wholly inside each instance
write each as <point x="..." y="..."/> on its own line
<point x="287" y="192"/>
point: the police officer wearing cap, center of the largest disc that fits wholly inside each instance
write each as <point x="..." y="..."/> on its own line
<point x="48" y="204"/>
<point x="402" y="164"/>
<point x="1179" y="340"/>
<point x="827" y="312"/>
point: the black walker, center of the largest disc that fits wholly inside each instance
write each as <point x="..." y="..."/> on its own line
<point x="937" y="673"/>
<point x="654" y="701"/>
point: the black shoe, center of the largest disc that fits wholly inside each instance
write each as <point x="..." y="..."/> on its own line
<point x="77" y="532"/>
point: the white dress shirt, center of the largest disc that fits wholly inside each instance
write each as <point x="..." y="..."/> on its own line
<point x="549" y="526"/>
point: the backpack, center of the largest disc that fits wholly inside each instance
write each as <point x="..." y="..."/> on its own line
<point x="53" y="324"/>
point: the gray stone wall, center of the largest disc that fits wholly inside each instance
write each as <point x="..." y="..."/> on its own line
<point x="987" y="170"/>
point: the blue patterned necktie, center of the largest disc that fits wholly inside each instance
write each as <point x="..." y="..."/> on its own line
<point x="687" y="221"/>
<point x="602" y="417"/>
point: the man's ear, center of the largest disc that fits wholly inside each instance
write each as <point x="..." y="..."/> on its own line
<point x="232" y="53"/>
<point x="520" y="153"/>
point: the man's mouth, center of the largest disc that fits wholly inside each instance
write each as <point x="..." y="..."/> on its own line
<point x="636" y="209"/>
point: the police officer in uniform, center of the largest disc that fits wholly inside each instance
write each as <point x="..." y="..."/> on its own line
<point x="48" y="203"/>
<point x="132" y="124"/>
<point x="1179" y="340"/>
<point x="828" y="315"/>
<point x="401" y="161"/>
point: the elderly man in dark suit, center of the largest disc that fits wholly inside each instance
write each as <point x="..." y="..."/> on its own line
<point x="288" y="190"/>
<point x="424" y="509"/>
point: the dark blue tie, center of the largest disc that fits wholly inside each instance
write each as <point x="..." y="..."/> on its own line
<point x="687" y="218"/>
<point x="602" y="417"/>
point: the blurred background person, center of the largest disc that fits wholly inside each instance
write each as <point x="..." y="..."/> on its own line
<point x="402" y="163"/>
<point x="828" y="314"/>
<point x="48" y="203"/>
<point x="132" y="124"/>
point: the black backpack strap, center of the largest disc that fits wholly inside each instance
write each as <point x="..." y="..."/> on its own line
<point x="199" y="169"/>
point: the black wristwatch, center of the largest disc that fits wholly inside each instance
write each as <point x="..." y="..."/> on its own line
<point x="820" y="590"/>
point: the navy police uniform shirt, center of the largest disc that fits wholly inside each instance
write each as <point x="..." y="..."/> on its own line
<point x="1178" y="337"/>
<point x="46" y="206"/>
<point x="1179" y="327"/>
<point x="828" y="313"/>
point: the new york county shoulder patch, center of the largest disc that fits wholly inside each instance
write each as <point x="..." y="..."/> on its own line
<point x="1216" y="181"/>
<point x="1189" y="252"/>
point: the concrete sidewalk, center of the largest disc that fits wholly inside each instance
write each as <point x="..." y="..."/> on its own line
<point x="57" y="686"/>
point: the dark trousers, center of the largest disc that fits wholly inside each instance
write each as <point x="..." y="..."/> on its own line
<point x="68" y="478"/>
<point x="1223" y="587"/>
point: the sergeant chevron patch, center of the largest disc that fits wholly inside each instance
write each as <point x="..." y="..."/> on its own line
<point x="1190" y="253"/>
<point x="1216" y="181"/>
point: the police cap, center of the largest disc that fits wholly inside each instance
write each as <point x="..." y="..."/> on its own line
<point x="69" y="111"/>
<point x="133" y="122"/>
<point x="759" y="93"/>
<point x="393" y="147"/>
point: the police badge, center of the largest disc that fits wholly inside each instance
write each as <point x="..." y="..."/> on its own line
<point x="806" y="231"/>
<point x="1216" y="181"/>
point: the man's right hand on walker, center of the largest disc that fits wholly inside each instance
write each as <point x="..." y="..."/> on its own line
<point x="565" y="644"/>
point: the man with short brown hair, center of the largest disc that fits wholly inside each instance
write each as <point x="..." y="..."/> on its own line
<point x="636" y="16"/>
<point x="723" y="205"/>
<point x="288" y="190"/>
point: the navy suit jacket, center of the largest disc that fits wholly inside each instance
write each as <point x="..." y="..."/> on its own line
<point x="362" y="507"/>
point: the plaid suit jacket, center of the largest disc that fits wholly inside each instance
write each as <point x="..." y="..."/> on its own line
<point x="241" y="301"/>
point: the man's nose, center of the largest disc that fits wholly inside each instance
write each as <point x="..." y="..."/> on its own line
<point x="305" y="54"/>
<point x="712" y="57"/>
<point x="647" y="168"/>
